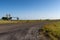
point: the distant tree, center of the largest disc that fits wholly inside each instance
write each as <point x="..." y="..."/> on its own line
<point x="9" y="15"/>
<point x="47" y="19"/>
<point x="17" y="18"/>
<point x="10" y="18"/>
<point x="6" y="18"/>
<point x="6" y="15"/>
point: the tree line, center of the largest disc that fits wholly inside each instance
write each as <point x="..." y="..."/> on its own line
<point x="8" y="17"/>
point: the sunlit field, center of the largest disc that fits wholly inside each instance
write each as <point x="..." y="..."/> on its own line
<point x="7" y="21"/>
<point x="18" y="21"/>
<point x="53" y="30"/>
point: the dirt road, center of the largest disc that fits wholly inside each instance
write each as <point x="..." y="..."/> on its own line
<point x="21" y="31"/>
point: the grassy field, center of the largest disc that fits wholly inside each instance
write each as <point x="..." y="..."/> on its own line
<point x="53" y="30"/>
<point x="18" y="21"/>
<point x="7" y="22"/>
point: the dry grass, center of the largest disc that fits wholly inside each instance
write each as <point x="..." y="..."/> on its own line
<point x="53" y="29"/>
<point x="7" y="22"/>
<point x="19" y="21"/>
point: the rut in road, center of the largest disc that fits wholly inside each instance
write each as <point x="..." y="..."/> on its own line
<point x="27" y="34"/>
<point x="33" y="34"/>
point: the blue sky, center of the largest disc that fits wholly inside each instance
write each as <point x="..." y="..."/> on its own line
<point x="31" y="9"/>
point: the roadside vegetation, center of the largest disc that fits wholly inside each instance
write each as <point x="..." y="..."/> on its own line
<point x="19" y="21"/>
<point x="7" y="21"/>
<point x="52" y="29"/>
